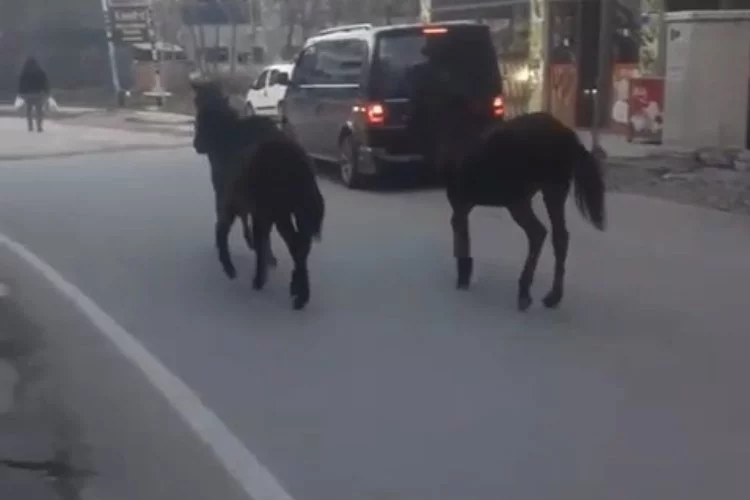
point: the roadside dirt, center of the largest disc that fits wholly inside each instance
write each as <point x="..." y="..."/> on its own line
<point x="681" y="179"/>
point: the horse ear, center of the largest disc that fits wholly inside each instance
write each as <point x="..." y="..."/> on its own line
<point x="198" y="83"/>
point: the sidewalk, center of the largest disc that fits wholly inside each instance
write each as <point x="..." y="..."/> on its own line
<point x="65" y="112"/>
<point x="38" y="439"/>
<point x="137" y="121"/>
<point x="160" y="117"/>
<point x="66" y="139"/>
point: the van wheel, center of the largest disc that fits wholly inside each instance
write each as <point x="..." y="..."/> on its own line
<point x="348" y="164"/>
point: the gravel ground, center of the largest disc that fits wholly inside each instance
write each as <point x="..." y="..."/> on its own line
<point x="683" y="180"/>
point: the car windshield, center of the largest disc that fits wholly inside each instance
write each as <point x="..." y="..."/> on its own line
<point x="468" y="51"/>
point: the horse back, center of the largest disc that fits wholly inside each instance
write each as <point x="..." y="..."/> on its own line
<point x="518" y="157"/>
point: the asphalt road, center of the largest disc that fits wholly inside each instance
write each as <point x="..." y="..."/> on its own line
<point x="392" y="385"/>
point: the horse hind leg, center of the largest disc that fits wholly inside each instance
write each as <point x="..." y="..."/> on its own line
<point x="223" y="226"/>
<point x="462" y="245"/>
<point x="300" y="275"/>
<point x="554" y="200"/>
<point x="299" y="243"/>
<point x="247" y="234"/>
<point x="261" y="235"/>
<point x="272" y="260"/>
<point x="523" y="214"/>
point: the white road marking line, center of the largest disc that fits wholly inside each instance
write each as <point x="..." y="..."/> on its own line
<point x="253" y="477"/>
<point x="4" y="290"/>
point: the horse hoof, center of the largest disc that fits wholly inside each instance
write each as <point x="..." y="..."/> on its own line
<point x="230" y="272"/>
<point x="465" y="267"/>
<point x="552" y="300"/>
<point x="258" y="284"/>
<point x="299" y="303"/>
<point x="524" y="303"/>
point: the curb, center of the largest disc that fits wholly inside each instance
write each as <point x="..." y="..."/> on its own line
<point x="146" y="121"/>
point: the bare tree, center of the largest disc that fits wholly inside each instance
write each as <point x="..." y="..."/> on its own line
<point x="302" y="14"/>
<point x="196" y="31"/>
<point x="232" y="10"/>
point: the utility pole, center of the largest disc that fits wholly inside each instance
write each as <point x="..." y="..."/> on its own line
<point x="661" y="58"/>
<point x="604" y="77"/>
<point x="156" y="51"/>
<point x="112" y="54"/>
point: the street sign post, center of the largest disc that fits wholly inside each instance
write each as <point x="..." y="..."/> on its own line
<point x="129" y="24"/>
<point x="112" y="55"/>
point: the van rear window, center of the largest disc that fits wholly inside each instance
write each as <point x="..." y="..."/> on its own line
<point x="468" y="51"/>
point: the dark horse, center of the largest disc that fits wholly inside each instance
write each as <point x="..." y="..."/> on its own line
<point x="212" y="110"/>
<point x="272" y="180"/>
<point x="512" y="162"/>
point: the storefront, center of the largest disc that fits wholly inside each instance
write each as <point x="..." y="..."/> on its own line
<point x="519" y="28"/>
<point x="574" y="60"/>
<point x="518" y="41"/>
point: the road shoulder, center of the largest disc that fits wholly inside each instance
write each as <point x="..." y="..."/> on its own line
<point x="82" y="396"/>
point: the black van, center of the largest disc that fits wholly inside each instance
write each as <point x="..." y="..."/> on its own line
<point x="348" y="97"/>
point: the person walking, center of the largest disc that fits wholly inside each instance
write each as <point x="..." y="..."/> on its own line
<point x="33" y="87"/>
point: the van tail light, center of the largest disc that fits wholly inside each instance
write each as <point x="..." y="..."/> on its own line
<point x="498" y="106"/>
<point x="375" y="113"/>
<point x="437" y="30"/>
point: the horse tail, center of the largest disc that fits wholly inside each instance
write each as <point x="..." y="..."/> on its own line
<point x="589" y="186"/>
<point x="317" y="211"/>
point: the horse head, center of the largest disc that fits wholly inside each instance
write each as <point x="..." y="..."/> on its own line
<point x="213" y="114"/>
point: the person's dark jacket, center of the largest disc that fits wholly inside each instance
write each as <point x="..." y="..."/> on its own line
<point x="33" y="79"/>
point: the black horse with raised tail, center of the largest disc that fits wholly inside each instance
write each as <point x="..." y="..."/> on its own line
<point x="514" y="161"/>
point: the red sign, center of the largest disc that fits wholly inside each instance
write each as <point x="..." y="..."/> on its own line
<point x="646" y="109"/>
<point x="621" y="74"/>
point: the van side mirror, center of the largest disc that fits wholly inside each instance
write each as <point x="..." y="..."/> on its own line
<point x="283" y="79"/>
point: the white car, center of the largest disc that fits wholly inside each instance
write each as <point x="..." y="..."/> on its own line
<point x="266" y="94"/>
